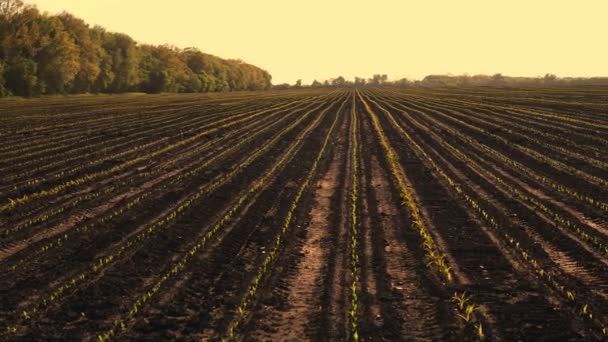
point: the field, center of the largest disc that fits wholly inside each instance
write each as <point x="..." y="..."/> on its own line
<point x="314" y="214"/>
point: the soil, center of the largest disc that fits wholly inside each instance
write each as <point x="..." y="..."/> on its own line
<point x="170" y="247"/>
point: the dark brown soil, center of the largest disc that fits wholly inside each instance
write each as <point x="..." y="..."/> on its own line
<point x="121" y="230"/>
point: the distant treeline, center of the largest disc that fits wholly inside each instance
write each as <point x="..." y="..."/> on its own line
<point x="61" y="54"/>
<point x="497" y="80"/>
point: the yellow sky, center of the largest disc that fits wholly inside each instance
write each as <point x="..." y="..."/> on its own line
<point x="320" y="39"/>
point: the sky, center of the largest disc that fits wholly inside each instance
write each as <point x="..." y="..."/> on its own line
<point x="322" y="39"/>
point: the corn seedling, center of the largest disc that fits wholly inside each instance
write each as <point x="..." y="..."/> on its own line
<point x="479" y="331"/>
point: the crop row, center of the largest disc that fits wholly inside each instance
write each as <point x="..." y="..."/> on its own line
<point x="597" y="241"/>
<point x="497" y="122"/>
<point x="585" y="198"/>
<point x="139" y="200"/>
<point x="518" y="124"/>
<point x="13" y="203"/>
<point x="544" y="116"/>
<point x="57" y="138"/>
<point x="355" y="234"/>
<point x="566" y="128"/>
<point x="481" y="208"/>
<point x="101" y="144"/>
<point x="137" y="239"/>
<point x="202" y="242"/>
<point x="181" y="128"/>
<point x="144" y="176"/>
<point x="265" y="268"/>
<point x="466" y="309"/>
<point x="525" y="149"/>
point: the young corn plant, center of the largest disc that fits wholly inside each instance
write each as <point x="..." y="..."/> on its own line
<point x="103" y="262"/>
<point x="479" y="331"/>
<point x="468" y="312"/>
<point x="265" y="269"/>
<point x="433" y="253"/>
<point x="526" y="257"/>
<point x="460" y="300"/>
<point x="354" y="247"/>
<point x="466" y="309"/>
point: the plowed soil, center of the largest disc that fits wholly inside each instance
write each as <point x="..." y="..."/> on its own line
<point x="311" y="214"/>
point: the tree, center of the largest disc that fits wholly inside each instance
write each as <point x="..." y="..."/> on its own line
<point x="90" y="52"/>
<point x="283" y="86"/>
<point x="21" y="77"/>
<point x="45" y="54"/>
<point x="549" y="78"/>
<point x="498" y="80"/>
<point x="106" y="74"/>
<point x="164" y="70"/>
<point x="378" y="79"/>
<point x="338" y="82"/>
<point x="10" y="8"/>
<point x="404" y="82"/>
<point x="124" y="55"/>
<point x="3" y="90"/>
<point x="58" y="61"/>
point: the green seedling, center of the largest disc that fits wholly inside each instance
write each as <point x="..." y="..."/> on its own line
<point x="479" y="331"/>
<point x="570" y="295"/>
<point x="468" y="312"/>
<point x="460" y="300"/>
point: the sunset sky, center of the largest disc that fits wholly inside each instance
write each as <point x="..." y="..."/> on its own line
<point x="321" y="39"/>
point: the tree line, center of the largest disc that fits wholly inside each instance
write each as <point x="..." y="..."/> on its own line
<point x="61" y="54"/>
<point x="499" y="80"/>
<point x="496" y="80"/>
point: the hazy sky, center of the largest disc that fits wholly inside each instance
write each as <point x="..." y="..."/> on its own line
<point x="320" y="39"/>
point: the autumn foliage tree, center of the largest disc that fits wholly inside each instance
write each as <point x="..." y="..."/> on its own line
<point x="61" y="54"/>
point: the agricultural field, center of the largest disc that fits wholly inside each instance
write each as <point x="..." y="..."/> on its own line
<point x="372" y="214"/>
